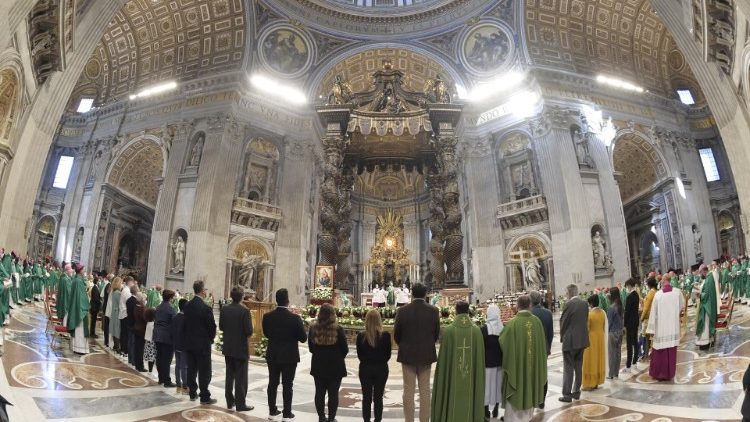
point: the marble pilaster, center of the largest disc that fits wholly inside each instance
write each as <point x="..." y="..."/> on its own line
<point x="297" y="172"/>
<point x="563" y="190"/>
<point x="161" y="235"/>
<point x="209" y="232"/>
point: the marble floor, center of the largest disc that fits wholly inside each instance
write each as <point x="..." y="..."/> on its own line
<point x="48" y="382"/>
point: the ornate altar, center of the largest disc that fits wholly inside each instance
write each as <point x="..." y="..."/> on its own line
<point x="389" y="259"/>
<point x="391" y="127"/>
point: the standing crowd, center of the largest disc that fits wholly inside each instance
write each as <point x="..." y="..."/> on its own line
<point x="478" y="369"/>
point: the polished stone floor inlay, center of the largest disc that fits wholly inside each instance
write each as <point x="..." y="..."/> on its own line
<point x="46" y="382"/>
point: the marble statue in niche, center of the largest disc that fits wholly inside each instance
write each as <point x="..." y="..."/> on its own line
<point x="697" y="242"/>
<point x="197" y="152"/>
<point x="581" y="144"/>
<point x="250" y="266"/>
<point x="77" y="244"/>
<point x="178" y="250"/>
<point x="599" y="249"/>
<point x="534" y="278"/>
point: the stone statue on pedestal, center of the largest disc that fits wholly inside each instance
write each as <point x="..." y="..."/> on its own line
<point x="697" y="242"/>
<point x="600" y="251"/>
<point x="178" y="249"/>
<point x="534" y="278"/>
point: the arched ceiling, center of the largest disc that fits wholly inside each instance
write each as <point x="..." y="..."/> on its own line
<point x="137" y="169"/>
<point x="389" y="184"/>
<point x="639" y="165"/>
<point x="625" y="39"/>
<point x="150" y="41"/>
<point x="358" y="69"/>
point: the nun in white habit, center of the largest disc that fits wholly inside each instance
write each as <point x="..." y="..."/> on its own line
<point x="493" y="360"/>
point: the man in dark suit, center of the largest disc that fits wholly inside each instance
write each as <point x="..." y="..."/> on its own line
<point x="545" y="316"/>
<point x="234" y="322"/>
<point x="105" y="302"/>
<point x="284" y="331"/>
<point x="632" y="320"/>
<point x="198" y="334"/>
<point x="95" y="305"/>
<point x="574" y="335"/>
<point x="416" y="330"/>
<point x="163" y="337"/>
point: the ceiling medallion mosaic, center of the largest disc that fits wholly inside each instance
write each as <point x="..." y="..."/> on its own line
<point x="285" y="50"/>
<point x="486" y="49"/>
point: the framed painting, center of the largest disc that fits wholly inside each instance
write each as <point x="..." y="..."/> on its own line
<point x="324" y="276"/>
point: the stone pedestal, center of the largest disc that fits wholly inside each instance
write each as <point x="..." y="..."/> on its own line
<point x="365" y="299"/>
<point x="449" y="297"/>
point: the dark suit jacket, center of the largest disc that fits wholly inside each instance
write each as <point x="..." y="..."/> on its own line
<point x="545" y="316"/>
<point x="328" y="361"/>
<point x="284" y="331"/>
<point x="107" y="291"/>
<point x="234" y="322"/>
<point x="416" y="330"/>
<point x="632" y="317"/>
<point x="139" y="318"/>
<point x="200" y="328"/>
<point x="95" y="300"/>
<point x="130" y="308"/>
<point x="178" y="324"/>
<point x="574" y="325"/>
<point x="163" y="323"/>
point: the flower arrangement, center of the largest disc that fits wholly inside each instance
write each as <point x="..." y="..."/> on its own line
<point x="322" y="293"/>
<point x="219" y="341"/>
<point x="261" y="348"/>
<point x="354" y="316"/>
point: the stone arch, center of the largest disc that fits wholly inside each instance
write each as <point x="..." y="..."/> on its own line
<point x="539" y="243"/>
<point x="514" y="158"/>
<point x="260" y="170"/>
<point x="368" y="57"/>
<point x="136" y="168"/>
<point x="640" y="164"/>
<point x="44" y="237"/>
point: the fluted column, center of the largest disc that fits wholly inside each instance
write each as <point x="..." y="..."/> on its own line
<point x="209" y="227"/>
<point x="177" y="137"/>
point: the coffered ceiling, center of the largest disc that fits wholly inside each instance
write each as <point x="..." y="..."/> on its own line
<point x="149" y="41"/>
<point x="624" y="38"/>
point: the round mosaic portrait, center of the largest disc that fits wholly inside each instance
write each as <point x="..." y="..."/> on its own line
<point x="485" y="49"/>
<point x="285" y="50"/>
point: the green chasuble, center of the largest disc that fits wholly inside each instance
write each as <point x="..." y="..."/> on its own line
<point x="153" y="299"/>
<point x="54" y="277"/>
<point x="77" y="303"/>
<point x="38" y="276"/>
<point x="707" y="306"/>
<point x="745" y="279"/>
<point x="524" y="361"/>
<point x="735" y="277"/>
<point x="15" y="268"/>
<point x="458" y="392"/>
<point x="724" y="279"/>
<point x="603" y="302"/>
<point x="62" y="295"/>
<point x="4" y="291"/>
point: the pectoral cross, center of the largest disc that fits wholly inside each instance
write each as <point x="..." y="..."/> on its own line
<point x="463" y="366"/>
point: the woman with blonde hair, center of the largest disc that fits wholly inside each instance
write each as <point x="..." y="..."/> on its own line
<point x="328" y="346"/>
<point x="374" y="352"/>
<point x="113" y="312"/>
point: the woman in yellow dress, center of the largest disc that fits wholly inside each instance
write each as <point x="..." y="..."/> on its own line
<point x="594" y="357"/>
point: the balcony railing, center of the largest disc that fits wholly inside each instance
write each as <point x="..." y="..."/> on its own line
<point x="522" y="212"/>
<point x="254" y="214"/>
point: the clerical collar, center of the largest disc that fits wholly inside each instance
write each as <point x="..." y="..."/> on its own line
<point x="418" y="298"/>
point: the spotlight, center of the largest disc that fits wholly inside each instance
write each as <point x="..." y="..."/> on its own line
<point x="619" y="83"/>
<point x="271" y="86"/>
<point x="153" y="90"/>
<point x="495" y="86"/>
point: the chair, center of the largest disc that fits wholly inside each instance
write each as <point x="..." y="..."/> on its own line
<point x="724" y="318"/>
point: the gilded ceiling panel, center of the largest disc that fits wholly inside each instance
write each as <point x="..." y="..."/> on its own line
<point x="148" y="42"/>
<point x="358" y="69"/>
<point x="639" y="165"/>
<point x="137" y="169"/>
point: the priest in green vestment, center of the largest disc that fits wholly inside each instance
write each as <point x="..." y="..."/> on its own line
<point x="153" y="297"/>
<point x="63" y="288"/>
<point x="78" y="311"/>
<point x="708" y="310"/>
<point x="745" y="293"/>
<point x="524" y="349"/>
<point x="734" y="274"/>
<point x="15" y="269"/>
<point x="458" y="392"/>
<point x="6" y="282"/>
<point x="603" y="301"/>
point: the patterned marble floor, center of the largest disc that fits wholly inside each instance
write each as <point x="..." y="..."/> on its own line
<point x="51" y="383"/>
